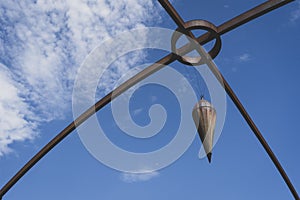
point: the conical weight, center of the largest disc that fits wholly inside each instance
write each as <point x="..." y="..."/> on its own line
<point x="204" y="115"/>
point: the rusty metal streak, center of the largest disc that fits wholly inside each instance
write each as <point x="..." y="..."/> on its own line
<point x="225" y="27"/>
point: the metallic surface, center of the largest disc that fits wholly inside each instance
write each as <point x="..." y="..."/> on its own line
<point x="222" y="29"/>
<point x="180" y="23"/>
<point x="196" y="25"/>
<point x="204" y="115"/>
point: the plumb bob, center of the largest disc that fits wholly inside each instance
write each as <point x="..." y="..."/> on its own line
<point x="204" y="115"/>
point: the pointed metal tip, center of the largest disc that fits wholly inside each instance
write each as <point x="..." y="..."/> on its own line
<point x="209" y="157"/>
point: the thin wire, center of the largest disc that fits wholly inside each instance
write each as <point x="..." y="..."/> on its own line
<point x="197" y="82"/>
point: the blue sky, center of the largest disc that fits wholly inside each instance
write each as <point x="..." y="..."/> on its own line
<point x="42" y="44"/>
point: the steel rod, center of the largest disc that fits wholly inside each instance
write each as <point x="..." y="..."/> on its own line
<point x="251" y="14"/>
<point x="180" y="23"/>
<point x="225" y="27"/>
<point x="83" y="117"/>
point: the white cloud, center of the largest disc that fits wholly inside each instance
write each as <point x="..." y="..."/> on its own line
<point x="16" y="122"/>
<point x="137" y="111"/>
<point x="295" y="15"/>
<point x="137" y="177"/>
<point x="42" y="43"/>
<point x="244" y="57"/>
<point x="154" y="98"/>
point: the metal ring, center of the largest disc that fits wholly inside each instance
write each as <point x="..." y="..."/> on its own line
<point x="193" y="25"/>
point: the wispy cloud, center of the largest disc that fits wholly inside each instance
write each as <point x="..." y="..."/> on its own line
<point x="138" y="177"/>
<point x="137" y="111"/>
<point x="153" y="98"/>
<point x="17" y="122"/>
<point x="244" y="57"/>
<point x="295" y="15"/>
<point x="42" y="44"/>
